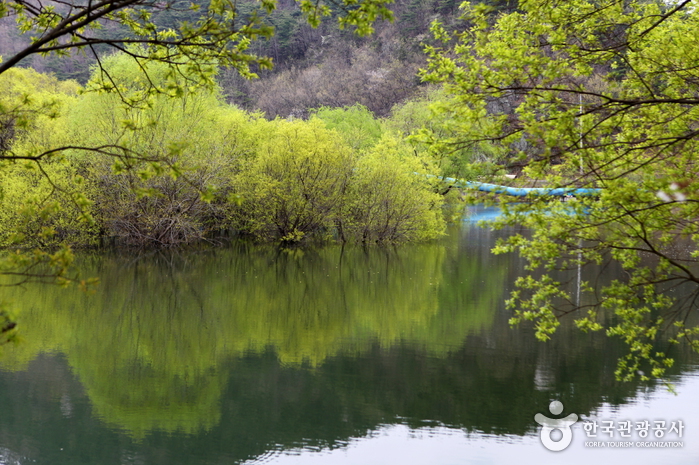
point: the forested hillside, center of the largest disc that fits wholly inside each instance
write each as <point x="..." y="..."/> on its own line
<point x="313" y="67"/>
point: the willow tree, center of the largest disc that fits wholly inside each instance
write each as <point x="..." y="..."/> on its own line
<point x="600" y="94"/>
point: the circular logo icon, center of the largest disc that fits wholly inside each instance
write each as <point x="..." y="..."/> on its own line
<point x="548" y="425"/>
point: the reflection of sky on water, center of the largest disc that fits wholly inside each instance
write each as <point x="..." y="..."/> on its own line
<point x="399" y="444"/>
<point x="478" y="213"/>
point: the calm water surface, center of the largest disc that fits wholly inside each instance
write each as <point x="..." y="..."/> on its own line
<point x="335" y="355"/>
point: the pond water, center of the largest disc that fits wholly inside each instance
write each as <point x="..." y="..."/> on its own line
<point x="336" y="355"/>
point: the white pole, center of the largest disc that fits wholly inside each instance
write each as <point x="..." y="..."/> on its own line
<point x="581" y="135"/>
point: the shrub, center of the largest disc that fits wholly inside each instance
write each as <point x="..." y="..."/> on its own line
<point x="159" y="186"/>
<point x="389" y="200"/>
<point x="42" y="202"/>
<point x="294" y="186"/>
<point x="356" y="124"/>
<point x="306" y="182"/>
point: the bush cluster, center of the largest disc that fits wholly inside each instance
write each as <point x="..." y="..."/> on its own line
<point x="143" y="161"/>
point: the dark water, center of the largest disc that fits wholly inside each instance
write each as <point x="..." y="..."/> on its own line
<point x="334" y="356"/>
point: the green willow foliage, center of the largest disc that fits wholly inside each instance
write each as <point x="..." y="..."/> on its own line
<point x="601" y="94"/>
<point x="356" y="124"/>
<point x="389" y="198"/>
<point x="40" y="205"/>
<point x="167" y="170"/>
<point x="295" y="184"/>
<point x="306" y="181"/>
<point x="426" y="124"/>
<point x="187" y="148"/>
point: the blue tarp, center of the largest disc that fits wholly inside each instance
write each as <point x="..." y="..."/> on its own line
<point x="522" y="191"/>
